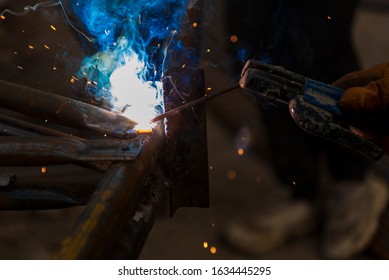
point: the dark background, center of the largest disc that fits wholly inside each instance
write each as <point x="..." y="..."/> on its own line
<point x="299" y="36"/>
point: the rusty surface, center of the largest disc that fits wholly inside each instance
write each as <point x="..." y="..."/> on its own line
<point x="104" y="217"/>
<point x="139" y="224"/>
<point x="186" y="140"/>
<point x="16" y="151"/>
<point x="10" y="130"/>
<point x="64" y="110"/>
<point x="13" y="126"/>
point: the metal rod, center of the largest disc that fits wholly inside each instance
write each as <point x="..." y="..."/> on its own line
<point x="30" y="128"/>
<point x="9" y="130"/>
<point x="16" y="151"/>
<point x="116" y="196"/>
<point x="194" y="103"/>
<point x="64" y="110"/>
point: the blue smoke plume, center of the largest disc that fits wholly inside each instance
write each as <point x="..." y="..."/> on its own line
<point x="143" y="29"/>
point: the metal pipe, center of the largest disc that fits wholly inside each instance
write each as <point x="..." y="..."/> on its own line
<point x="17" y="151"/>
<point x="104" y="217"/>
<point x="67" y="111"/>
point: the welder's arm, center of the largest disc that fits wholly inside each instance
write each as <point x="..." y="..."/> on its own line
<point x="367" y="92"/>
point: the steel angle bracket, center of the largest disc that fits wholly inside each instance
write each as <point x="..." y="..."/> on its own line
<point x="186" y="158"/>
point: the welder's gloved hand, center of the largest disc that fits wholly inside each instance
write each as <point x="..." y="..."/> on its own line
<point x="367" y="91"/>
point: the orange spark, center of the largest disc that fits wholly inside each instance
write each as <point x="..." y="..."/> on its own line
<point x="31" y="47"/>
<point x="43" y="170"/>
<point x="213" y="250"/>
<point x="234" y="38"/>
<point x="2" y="17"/>
<point x="194" y="24"/>
<point x="231" y="175"/>
<point x="240" y="152"/>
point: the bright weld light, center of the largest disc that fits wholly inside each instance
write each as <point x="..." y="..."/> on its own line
<point x="136" y="97"/>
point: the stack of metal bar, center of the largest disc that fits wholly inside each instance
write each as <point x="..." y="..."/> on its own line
<point x="40" y="128"/>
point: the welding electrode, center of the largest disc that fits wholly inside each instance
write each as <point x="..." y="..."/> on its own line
<point x="193" y="103"/>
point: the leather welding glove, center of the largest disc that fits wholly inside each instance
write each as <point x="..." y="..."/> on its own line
<point x="366" y="91"/>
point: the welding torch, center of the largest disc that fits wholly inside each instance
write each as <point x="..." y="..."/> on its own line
<point x="313" y="105"/>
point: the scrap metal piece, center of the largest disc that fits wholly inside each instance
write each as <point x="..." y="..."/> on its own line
<point x="16" y="151"/>
<point x="186" y="140"/>
<point x="64" y="110"/>
<point x="104" y="217"/>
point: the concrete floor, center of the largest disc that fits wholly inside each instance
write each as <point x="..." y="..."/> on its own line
<point x="24" y="235"/>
